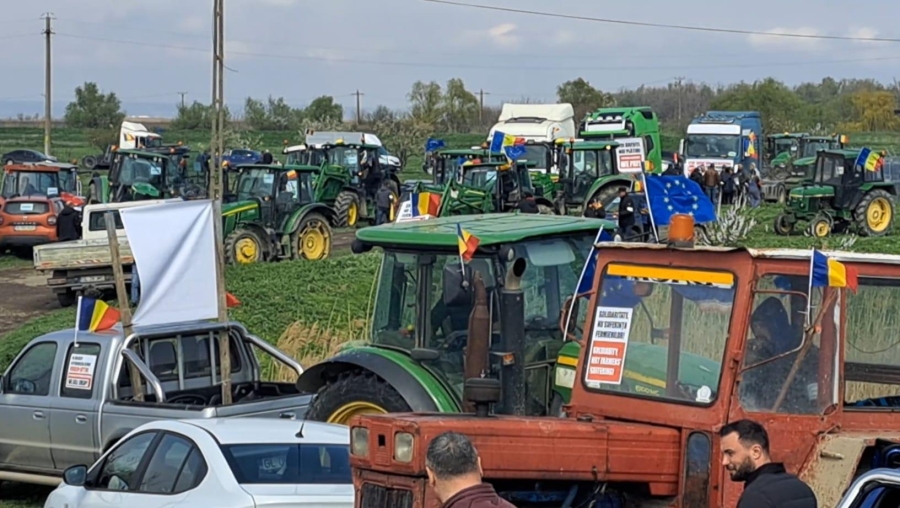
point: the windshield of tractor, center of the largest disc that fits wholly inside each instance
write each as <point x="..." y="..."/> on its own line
<point x="712" y="145"/>
<point x="308" y="157"/>
<point x="829" y="169"/>
<point x="594" y="163"/>
<point x="536" y="156"/>
<point x="482" y="178"/>
<point x="255" y="183"/>
<point x="421" y="303"/>
<point x="345" y="156"/>
<point x="784" y="145"/>
<point x="31" y="183"/>
<point x="811" y="148"/>
<point x="68" y="181"/>
<point x="134" y="169"/>
<point x="660" y="332"/>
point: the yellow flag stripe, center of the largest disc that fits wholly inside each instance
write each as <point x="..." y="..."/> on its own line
<point x="99" y="311"/>
<point x="654" y="272"/>
<point x="837" y="273"/>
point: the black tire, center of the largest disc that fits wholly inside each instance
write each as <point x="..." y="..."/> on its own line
<point x="67" y="298"/>
<point x="782" y="226"/>
<point x="233" y="243"/>
<point x="606" y="195"/>
<point x="343" y="205"/>
<point x="89" y="161"/>
<point x="350" y="387"/>
<point x="312" y="222"/>
<point x="876" y="198"/>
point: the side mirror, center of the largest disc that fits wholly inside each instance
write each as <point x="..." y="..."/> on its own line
<point x="75" y="476"/>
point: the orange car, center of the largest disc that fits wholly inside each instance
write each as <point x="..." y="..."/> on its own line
<point x="28" y="221"/>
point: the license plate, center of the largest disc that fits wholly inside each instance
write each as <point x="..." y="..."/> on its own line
<point x="93" y="278"/>
<point x="24" y="228"/>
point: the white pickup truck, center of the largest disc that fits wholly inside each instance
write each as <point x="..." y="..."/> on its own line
<point x="86" y="263"/>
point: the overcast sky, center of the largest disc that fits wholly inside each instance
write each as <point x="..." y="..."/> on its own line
<point x="300" y="49"/>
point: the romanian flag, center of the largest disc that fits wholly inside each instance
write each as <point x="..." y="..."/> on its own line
<point x="95" y="315"/>
<point x="501" y="141"/>
<point x="425" y="203"/>
<point x="468" y="243"/>
<point x="231" y="300"/>
<point x="868" y="159"/>
<point x="828" y="272"/>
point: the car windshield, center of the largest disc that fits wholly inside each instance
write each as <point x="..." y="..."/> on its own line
<point x="31" y="183"/>
<point x="659" y="332"/>
<point x="289" y="463"/>
<point x="594" y="163"/>
<point x="723" y="146"/>
<point x="420" y="302"/>
<point x="255" y="183"/>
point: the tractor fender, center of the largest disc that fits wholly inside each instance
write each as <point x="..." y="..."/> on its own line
<point x="296" y="218"/>
<point x="417" y="386"/>
<point x="263" y="233"/>
<point x="609" y="181"/>
<point x="829" y="478"/>
<point x="101" y="187"/>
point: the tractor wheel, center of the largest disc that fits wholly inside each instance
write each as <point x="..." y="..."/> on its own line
<point x="355" y="393"/>
<point x="67" y="298"/>
<point x="89" y="162"/>
<point x="783" y="226"/>
<point x="312" y="241"/>
<point x="820" y="226"/>
<point x="346" y="208"/>
<point x="243" y="247"/>
<point x="875" y="213"/>
<point x="607" y="195"/>
<point x="781" y="195"/>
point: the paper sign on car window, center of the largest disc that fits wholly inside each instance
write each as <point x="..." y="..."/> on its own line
<point x="52" y="191"/>
<point x="80" y="375"/>
<point x="27" y="207"/>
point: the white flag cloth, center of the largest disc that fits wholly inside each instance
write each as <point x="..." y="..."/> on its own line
<point x="174" y="246"/>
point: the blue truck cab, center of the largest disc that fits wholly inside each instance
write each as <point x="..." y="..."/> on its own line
<point x="724" y="139"/>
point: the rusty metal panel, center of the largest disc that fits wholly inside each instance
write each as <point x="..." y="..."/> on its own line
<point x="832" y="466"/>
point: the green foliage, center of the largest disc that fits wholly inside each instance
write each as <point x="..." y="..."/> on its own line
<point x="94" y="109"/>
<point x="197" y="116"/>
<point x="583" y="97"/>
<point x="778" y="104"/>
<point x="323" y="109"/>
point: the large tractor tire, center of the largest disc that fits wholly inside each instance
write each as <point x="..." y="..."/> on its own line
<point x="346" y="209"/>
<point x="781" y="194"/>
<point x="89" y="162"/>
<point x="783" y="226"/>
<point x="606" y="195"/>
<point x="355" y="393"/>
<point x="821" y="226"/>
<point x="875" y="213"/>
<point x="243" y="247"/>
<point x="312" y="240"/>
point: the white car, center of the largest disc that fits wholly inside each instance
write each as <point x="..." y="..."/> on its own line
<point x="224" y="463"/>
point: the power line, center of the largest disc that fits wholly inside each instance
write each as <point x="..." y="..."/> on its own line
<point x="486" y="66"/>
<point x="665" y="25"/>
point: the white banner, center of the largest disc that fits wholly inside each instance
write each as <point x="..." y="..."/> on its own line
<point x="630" y="155"/>
<point x="174" y="248"/>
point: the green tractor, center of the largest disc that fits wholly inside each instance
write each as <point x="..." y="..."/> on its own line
<point x="792" y="157"/>
<point x="636" y="129"/>
<point x="136" y="175"/>
<point x="443" y="165"/>
<point x="435" y="324"/>
<point x="843" y="193"/>
<point x="490" y="187"/>
<point x="273" y="215"/>
<point x="588" y="171"/>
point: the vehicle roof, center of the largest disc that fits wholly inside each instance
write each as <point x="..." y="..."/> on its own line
<point x="766" y="253"/>
<point x="32" y="198"/>
<point x="229" y="431"/>
<point x="790" y="135"/>
<point x="277" y="167"/>
<point x="462" y="151"/>
<point x="127" y="204"/>
<point x="618" y="111"/>
<point x="491" y="229"/>
<point x="54" y="165"/>
<point x="350" y="144"/>
<point x="592" y="145"/>
<point x="823" y="138"/>
<point x="35" y="168"/>
<point x="106" y="337"/>
<point x="140" y="153"/>
<point x="846" y="153"/>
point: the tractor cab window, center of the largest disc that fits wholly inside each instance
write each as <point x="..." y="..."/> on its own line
<point x="137" y="170"/>
<point x="592" y="163"/>
<point x="659" y="332"/>
<point x="785" y="145"/>
<point x="482" y="178"/>
<point x="68" y="181"/>
<point x="811" y="148"/>
<point x="787" y="369"/>
<point x="31" y="183"/>
<point x="537" y="156"/>
<point x="255" y="183"/>
<point x="829" y="170"/>
<point x="344" y="156"/>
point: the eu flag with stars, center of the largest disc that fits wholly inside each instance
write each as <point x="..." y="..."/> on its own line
<point x="434" y="144"/>
<point x="668" y="195"/>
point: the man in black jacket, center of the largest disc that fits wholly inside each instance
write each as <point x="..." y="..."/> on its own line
<point x="745" y="454"/>
<point x="626" y="213"/>
<point x="68" y="224"/>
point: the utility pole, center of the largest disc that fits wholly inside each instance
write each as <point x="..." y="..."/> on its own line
<point x="679" y="81"/>
<point x="182" y="94"/>
<point x="481" y="94"/>
<point x="358" y="94"/>
<point x="216" y="190"/>
<point x="48" y="31"/>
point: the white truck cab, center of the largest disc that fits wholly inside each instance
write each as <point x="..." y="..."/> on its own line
<point x="540" y="125"/>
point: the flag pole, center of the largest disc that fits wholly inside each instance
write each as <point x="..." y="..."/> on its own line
<point x="649" y="208"/>
<point x="77" y="321"/>
<point x="812" y="257"/>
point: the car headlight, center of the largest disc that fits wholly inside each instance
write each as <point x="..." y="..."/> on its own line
<point x="403" y="447"/>
<point x="359" y="441"/>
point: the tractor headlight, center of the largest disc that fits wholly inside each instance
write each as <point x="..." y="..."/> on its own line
<point x="403" y="447"/>
<point x="359" y="441"/>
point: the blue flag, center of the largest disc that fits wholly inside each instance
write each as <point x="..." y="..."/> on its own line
<point x="497" y="142"/>
<point x="515" y="152"/>
<point x="590" y="265"/>
<point x="434" y="144"/>
<point x="668" y="195"/>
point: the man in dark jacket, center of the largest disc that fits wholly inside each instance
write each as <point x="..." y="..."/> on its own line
<point x="745" y="454"/>
<point x="595" y="210"/>
<point x="68" y="224"/>
<point x="528" y="204"/>
<point x="454" y="472"/>
<point x="627" y="210"/>
<point x="384" y="201"/>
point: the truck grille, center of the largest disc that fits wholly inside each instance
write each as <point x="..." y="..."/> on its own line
<point x="376" y="496"/>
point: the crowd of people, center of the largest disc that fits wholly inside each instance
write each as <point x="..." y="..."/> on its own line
<point x="730" y="185"/>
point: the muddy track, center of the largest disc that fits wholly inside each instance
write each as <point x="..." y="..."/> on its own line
<point x="23" y="295"/>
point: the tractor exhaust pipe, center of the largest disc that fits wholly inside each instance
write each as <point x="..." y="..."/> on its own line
<point x="479" y="341"/>
<point x="512" y="326"/>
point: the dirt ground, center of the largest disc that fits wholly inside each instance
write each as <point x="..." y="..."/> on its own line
<point x="23" y="296"/>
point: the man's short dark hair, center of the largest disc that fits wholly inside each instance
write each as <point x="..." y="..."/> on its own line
<point x="749" y="433"/>
<point x="623" y="189"/>
<point x="451" y="455"/>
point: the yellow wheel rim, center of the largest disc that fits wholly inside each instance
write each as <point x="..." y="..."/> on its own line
<point x="821" y="229"/>
<point x="314" y="242"/>
<point x="344" y="413"/>
<point x="352" y="214"/>
<point x="878" y="216"/>
<point x="246" y="251"/>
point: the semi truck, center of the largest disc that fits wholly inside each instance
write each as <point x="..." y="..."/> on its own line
<point x="723" y="139"/>
<point x="636" y="130"/>
<point x="539" y="125"/>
